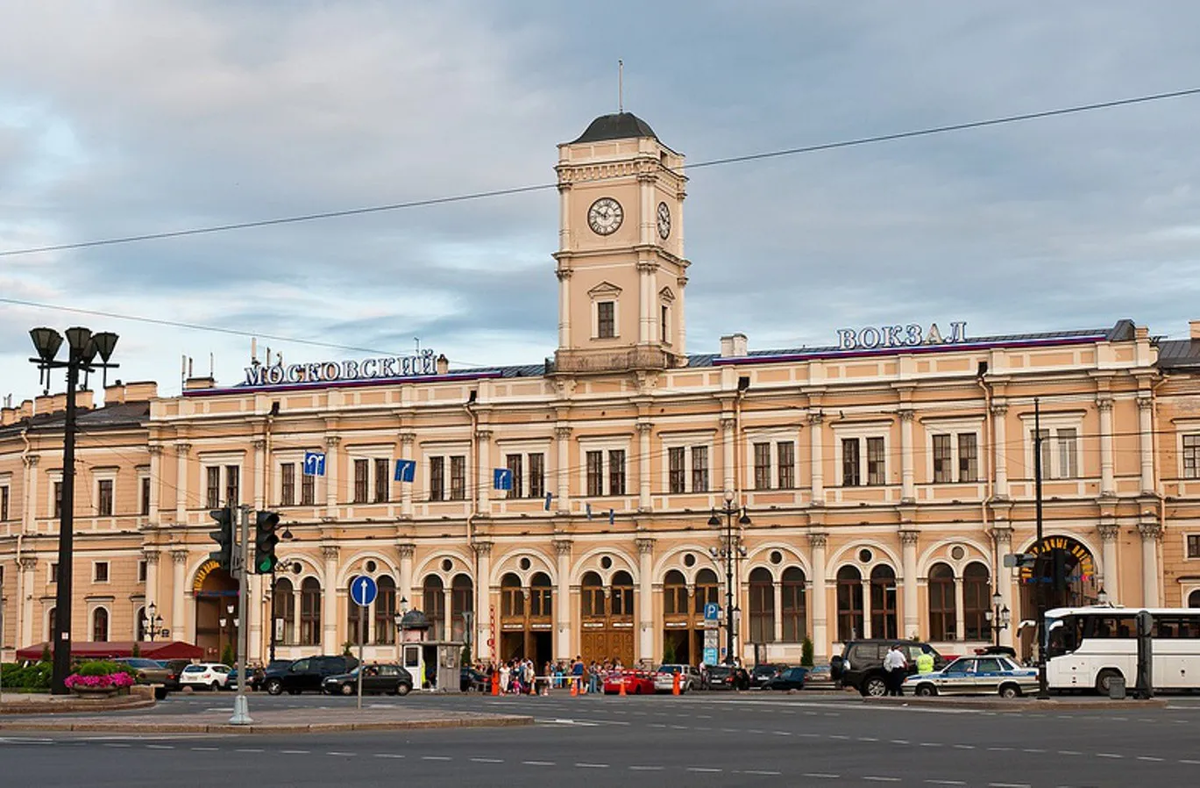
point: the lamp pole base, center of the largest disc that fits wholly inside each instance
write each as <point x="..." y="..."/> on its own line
<point x="241" y="711"/>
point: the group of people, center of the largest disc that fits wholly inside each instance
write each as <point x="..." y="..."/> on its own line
<point x="895" y="668"/>
<point x="520" y="676"/>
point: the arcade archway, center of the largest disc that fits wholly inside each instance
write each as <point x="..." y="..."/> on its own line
<point x="216" y="592"/>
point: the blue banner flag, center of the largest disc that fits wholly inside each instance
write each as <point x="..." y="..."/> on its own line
<point x="405" y="470"/>
<point x="587" y="507"/>
<point x="612" y="517"/>
<point x="502" y="479"/>
<point x="549" y="498"/>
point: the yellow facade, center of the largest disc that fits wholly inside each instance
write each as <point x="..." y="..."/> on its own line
<point x="884" y="485"/>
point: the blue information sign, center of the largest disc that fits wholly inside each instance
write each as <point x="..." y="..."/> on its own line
<point x="405" y="470"/>
<point x="314" y="463"/>
<point x="363" y="590"/>
<point x="712" y="611"/>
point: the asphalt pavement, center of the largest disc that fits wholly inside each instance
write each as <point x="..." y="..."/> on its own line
<point x="704" y="740"/>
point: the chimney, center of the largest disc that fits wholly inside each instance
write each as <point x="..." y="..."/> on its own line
<point x="192" y="384"/>
<point x="1194" y="329"/>
<point x="443" y="364"/>
<point x="734" y="346"/>
<point x="141" y="391"/>
<point x="1141" y="332"/>
<point x="114" y="394"/>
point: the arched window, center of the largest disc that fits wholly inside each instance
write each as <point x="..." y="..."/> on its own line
<point x="310" y="612"/>
<point x="512" y="597"/>
<point x="51" y="619"/>
<point x="100" y="625"/>
<point x="707" y="590"/>
<point x="283" y="611"/>
<point x="140" y="624"/>
<point x="591" y="595"/>
<point x="675" y="594"/>
<point x="541" y="596"/>
<point x="977" y="601"/>
<point x="849" y="603"/>
<point x="794" y="607"/>
<point x="943" y="615"/>
<point x="762" y="606"/>
<point x="462" y="601"/>
<point x="883" y="602"/>
<point x="385" y="611"/>
<point x="1194" y="599"/>
<point x="621" y="597"/>
<point x="434" y="604"/>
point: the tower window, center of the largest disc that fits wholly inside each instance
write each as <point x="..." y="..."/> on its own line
<point x="606" y="323"/>
<point x="666" y="323"/>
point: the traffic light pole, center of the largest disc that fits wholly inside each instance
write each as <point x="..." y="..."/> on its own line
<point x="1040" y="588"/>
<point x="241" y="709"/>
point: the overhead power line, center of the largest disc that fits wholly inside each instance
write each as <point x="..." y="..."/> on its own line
<point x="858" y="141"/>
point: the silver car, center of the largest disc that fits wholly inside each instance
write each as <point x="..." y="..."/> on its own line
<point x="989" y="675"/>
<point x="664" y="678"/>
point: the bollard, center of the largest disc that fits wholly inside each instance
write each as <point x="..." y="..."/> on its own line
<point x="675" y="684"/>
<point x="495" y="683"/>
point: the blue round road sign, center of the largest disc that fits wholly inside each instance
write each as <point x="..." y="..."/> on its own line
<point x="363" y="590"/>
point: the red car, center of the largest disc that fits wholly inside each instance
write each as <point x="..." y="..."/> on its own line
<point x="637" y="682"/>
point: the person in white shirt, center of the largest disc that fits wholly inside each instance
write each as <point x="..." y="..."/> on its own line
<point x="895" y="666"/>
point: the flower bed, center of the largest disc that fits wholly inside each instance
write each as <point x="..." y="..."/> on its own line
<point x="99" y="677"/>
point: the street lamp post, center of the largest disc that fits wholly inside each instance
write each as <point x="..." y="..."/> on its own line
<point x="82" y="348"/>
<point x="152" y="623"/>
<point x="730" y="550"/>
<point x="999" y="616"/>
<point x="398" y="618"/>
<point x="1040" y="589"/>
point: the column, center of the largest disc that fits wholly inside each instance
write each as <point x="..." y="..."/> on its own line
<point x="562" y="436"/>
<point x="260" y="479"/>
<point x="866" y="597"/>
<point x="331" y="475"/>
<point x="155" y="450"/>
<point x="644" y="487"/>
<point x="152" y="594"/>
<point x="29" y="505"/>
<point x="483" y="600"/>
<point x="907" y="485"/>
<point x="960" y="615"/>
<point x="645" y="548"/>
<point x="25" y="586"/>
<point x="1146" y="441"/>
<point x="999" y="450"/>
<point x="404" y="585"/>
<point x="815" y="418"/>
<point x="447" y="613"/>
<point x="181" y="486"/>
<point x="564" y="308"/>
<point x="178" y="593"/>
<point x="483" y="474"/>
<point x="1108" y="486"/>
<point x="406" y="488"/>
<point x="820" y="634"/>
<point x="778" y="589"/>
<point x="562" y="605"/>
<point x="1110" y="580"/>
<point x="680" y="320"/>
<point x="645" y="326"/>
<point x="1003" y="581"/>
<point x="912" y="619"/>
<point x="727" y="449"/>
<point x="329" y="596"/>
<point x="1151" y="533"/>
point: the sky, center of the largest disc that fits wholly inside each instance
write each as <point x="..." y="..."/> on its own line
<point x="130" y="117"/>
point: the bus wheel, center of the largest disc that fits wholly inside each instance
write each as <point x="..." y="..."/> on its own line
<point x="1104" y="679"/>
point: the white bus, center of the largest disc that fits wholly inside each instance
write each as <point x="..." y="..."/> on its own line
<point x="1089" y="646"/>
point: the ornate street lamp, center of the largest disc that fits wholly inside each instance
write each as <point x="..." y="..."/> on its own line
<point x="729" y="550"/>
<point x="83" y="347"/>
<point x="999" y="616"/>
<point x="152" y="623"/>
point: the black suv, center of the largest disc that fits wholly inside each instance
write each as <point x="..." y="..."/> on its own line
<point x="861" y="664"/>
<point x="305" y="674"/>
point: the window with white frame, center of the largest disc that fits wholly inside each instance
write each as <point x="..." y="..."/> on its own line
<point x="222" y="476"/>
<point x="603" y="467"/>
<point x="606" y="314"/>
<point x="528" y="467"/>
<point x="294" y="487"/>
<point x="861" y="453"/>
<point x="1192" y="545"/>
<point x="1190" y="454"/>
<point x="105" y="483"/>
<point x="447" y="471"/>
<point x="1060" y="444"/>
<point x="953" y="450"/>
<point x="687" y="462"/>
<point x="4" y="493"/>
<point x="100" y="571"/>
<point x="773" y="461"/>
<point x="144" y="494"/>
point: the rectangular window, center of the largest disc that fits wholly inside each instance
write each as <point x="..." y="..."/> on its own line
<point x="851" y="475"/>
<point x="58" y="499"/>
<point x="100" y="572"/>
<point x="537" y="475"/>
<point x="232" y="492"/>
<point x="4" y="503"/>
<point x="785" y="464"/>
<point x="1068" y="467"/>
<point x="762" y="466"/>
<point x="1191" y="456"/>
<point x="145" y="502"/>
<point x="54" y="572"/>
<point x="876" y="467"/>
<point x="675" y="472"/>
<point x="287" y="484"/>
<point x="104" y="498"/>
<point x="458" y="478"/>
<point x="606" y="324"/>
<point x="616" y="472"/>
<point x="666" y="334"/>
<point x="308" y="490"/>
<point x="595" y="473"/>
<point x="513" y="462"/>
<point x="361" y="471"/>
<point x="968" y="457"/>
<point x="1044" y="452"/>
<point x="699" y="469"/>
<point x="383" y="480"/>
<point x="1193" y="546"/>
<point x="212" y="487"/>
<point x="437" y="478"/>
<point x="942" y="460"/>
<point x="141" y="571"/>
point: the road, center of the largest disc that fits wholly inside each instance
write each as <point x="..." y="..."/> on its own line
<point x="698" y="740"/>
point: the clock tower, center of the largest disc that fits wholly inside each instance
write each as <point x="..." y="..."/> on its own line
<point x="621" y="269"/>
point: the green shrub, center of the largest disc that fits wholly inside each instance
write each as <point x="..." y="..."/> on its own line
<point x="806" y="653"/>
<point x="34" y="678"/>
<point x="46" y="656"/>
<point x="100" y="667"/>
<point x="669" y="653"/>
<point x="228" y="657"/>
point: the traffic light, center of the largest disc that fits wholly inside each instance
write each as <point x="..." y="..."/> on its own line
<point x="223" y="537"/>
<point x="1060" y="570"/>
<point x="265" y="539"/>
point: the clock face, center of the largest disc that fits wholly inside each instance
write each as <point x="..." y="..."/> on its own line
<point x="605" y="216"/>
<point x="664" y="221"/>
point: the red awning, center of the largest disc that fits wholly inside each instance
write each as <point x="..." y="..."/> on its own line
<point x="171" y="649"/>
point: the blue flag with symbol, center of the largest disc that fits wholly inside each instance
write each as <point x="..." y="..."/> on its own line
<point x="405" y="470"/>
<point x="502" y="479"/>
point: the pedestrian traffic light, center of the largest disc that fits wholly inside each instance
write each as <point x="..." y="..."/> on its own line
<point x="223" y="537"/>
<point x="265" y="539"/>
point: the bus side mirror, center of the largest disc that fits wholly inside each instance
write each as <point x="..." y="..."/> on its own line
<point x="1055" y="626"/>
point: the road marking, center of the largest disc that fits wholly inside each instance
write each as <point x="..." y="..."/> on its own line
<point x="1008" y="785"/>
<point x="931" y="744"/>
<point x="1031" y="749"/>
<point x="160" y="746"/>
<point x="1069" y="752"/>
<point x="439" y="758"/>
<point x="1184" y="760"/>
<point x="387" y="755"/>
<point x="822" y="775"/>
<point x="1149" y="758"/>
<point x="1000" y="749"/>
<point x="282" y="752"/>
<point x="832" y="736"/>
<point x="701" y="769"/>
<point x="945" y="782"/>
<point x="646" y="768"/>
<point x="900" y="741"/>
<point x="208" y="749"/>
<point x="1108" y="755"/>
<point x="964" y="746"/>
<point x="254" y="749"/>
<point x="867" y="738"/>
<point x="680" y="728"/>
<point x="762" y="772"/>
<point x="116" y="744"/>
<point x="592" y="765"/>
<point x="538" y="763"/>
<point x="486" y="760"/>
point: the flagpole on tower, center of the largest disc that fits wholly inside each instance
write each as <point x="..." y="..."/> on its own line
<point x="620" y="86"/>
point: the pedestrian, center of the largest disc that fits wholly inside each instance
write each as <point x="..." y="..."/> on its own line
<point x="895" y="668"/>
<point x="925" y="661"/>
<point x="504" y="676"/>
<point x="577" y="672"/>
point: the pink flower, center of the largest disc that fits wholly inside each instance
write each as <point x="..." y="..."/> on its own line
<point x="113" y="680"/>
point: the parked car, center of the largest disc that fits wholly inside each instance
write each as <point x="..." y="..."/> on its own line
<point x="720" y="677"/>
<point x="637" y="682"/>
<point x="471" y="679"/>
<point x="995" y="675"/>
<point x="213" y="675"/>
<point x="761" y="674"/>
<point x="174" y="670"/>
<point x="145" y="671"/>
<point x="787" y="679"/>
<point x="664" y="678"/>
<point x="820" y="677"/>
<point x="385" y="678"/>
<point x="861" y="663"/>
<point x="258" y="675"/>
<point x="305" y="674"/>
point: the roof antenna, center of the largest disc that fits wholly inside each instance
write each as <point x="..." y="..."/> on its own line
<point x="620" y="86"/>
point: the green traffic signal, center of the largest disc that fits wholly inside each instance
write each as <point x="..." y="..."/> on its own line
<point x="265" y="539"/>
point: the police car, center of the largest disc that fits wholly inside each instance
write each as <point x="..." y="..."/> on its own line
<point x="987" y="675"/>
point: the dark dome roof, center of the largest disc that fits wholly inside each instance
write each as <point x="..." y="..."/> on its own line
<point x="414" y="619"/>
<point x="621" y="126"/>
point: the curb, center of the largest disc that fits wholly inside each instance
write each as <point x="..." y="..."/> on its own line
<point x="1018" y="704"/>
<point x="94" y="726"/>
<point x="72" y="707"/>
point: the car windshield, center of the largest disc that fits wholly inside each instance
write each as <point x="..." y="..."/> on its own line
<point x="765" y="670"/>
<point x="141" y="663"/>
<point x="669" y="669"/>
<point x="194" y="669"/>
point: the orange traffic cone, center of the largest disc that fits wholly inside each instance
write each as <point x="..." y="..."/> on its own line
<point x="495" y="683"/>
<point x="621" y="691"/>
<point x="675" y="684"/>
<point x="574" y="688"/>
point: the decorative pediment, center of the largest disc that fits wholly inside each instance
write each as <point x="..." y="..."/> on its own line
<point x="605" y="290"/>
<point x="666" y="295"/>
